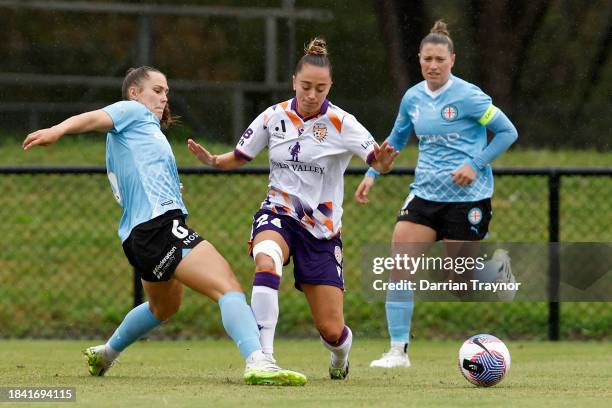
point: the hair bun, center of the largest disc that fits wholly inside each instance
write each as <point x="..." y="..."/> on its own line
<point x="440" y="28"/>
<point x="317" y="46"/>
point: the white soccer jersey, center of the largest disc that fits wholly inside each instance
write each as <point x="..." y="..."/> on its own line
<point x="308" y="157"/>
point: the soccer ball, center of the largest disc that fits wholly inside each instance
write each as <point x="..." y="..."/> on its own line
<point x="484" y="360"/>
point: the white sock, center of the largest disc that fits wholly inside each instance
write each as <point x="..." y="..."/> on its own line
<point x="257" y="355"/>
<point x="264" y="302"/>
<point x="340" y="352"/>
<point x="399" y="345"/>
<point x="110" y="353"/>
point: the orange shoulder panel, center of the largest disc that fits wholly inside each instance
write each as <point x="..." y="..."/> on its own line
<point x="335" y="120"/>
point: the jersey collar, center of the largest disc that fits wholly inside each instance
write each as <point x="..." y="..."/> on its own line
<point x="321" y="111"/>
<point x="438" y="92"/>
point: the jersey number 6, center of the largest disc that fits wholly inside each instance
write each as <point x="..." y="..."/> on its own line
<point x="178" y="231"/>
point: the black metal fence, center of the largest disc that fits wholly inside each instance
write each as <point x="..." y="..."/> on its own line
<point x="63" y="273"/>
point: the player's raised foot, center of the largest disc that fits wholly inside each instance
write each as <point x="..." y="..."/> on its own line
<point x="97" y="361"/>
<point x="504" y="275"/>
<point x="339" y="370"/>
<point x="265" y="372"/>
<point x="394" y="358"/>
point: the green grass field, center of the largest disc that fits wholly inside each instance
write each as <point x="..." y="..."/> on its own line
<point x="41" y="295"/>
<point x="209" y="373"/>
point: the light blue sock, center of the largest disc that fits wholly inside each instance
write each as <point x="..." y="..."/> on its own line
<point x="138" y="322"/>
<point x="239" y="322"/>
<point x="399" y="307"/>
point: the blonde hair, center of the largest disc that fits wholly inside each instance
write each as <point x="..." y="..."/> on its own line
<point x="315" y="53"/>
<point x="439" y="35"/>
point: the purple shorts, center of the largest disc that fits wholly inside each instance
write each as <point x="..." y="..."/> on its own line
<point x="315" y="261"/>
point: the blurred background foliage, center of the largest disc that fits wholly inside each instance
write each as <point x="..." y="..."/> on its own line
<point x="546" y="63"/>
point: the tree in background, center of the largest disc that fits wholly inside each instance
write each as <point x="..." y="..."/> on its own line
<point x="547" y="62"/>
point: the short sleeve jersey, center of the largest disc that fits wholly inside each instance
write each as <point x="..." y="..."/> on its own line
<point x="450" y="126"/>
<point x="140" y="165"/>
<point x="308" y="157"/>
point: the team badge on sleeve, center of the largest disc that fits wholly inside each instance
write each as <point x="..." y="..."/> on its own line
<point x="449" y="112"/>
<point x="319" y="131"/>
<point x="475" y="216"/>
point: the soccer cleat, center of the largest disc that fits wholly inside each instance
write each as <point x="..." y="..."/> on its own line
<point x="96" y="361"/>
<point x="266" y="372"/>
<point x="504" y="275"/>
<point x="339" y="373"/>
<point x="394" y="358"/>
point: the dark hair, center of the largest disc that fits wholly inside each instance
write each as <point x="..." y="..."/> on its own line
<point x="134" y="77"/>
<point x="438" y="35"/>
<point x="315" y="54"/>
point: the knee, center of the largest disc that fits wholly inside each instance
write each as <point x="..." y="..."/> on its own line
<point x="268" y="257"/>
<point x="331" y="331"/>
<point x="165" y="310"/>
<point x="264" y="263"/>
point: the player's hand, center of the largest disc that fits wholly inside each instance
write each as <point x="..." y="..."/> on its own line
<point x="464" y="175"/>
<point x="201" y="153"/>
<point x="361" y="194"/>
<point x="42" y="137"/>
<point x="384" y="156"/>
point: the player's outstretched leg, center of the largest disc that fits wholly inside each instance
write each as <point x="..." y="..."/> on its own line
<point x="269" y="251"/>
<point x="138" y="322"/>
<point x="207" y="272"/>
<point x="239" y="323"/>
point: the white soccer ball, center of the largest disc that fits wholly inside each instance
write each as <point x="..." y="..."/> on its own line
<point x="484" y="360"/>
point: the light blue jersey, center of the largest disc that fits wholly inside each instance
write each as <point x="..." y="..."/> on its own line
<point x="451" y="124"/>
<point x="140" y="166"/>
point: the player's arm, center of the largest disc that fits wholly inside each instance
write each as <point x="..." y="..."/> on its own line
<point x="225" y="161"/>
<point x="398" y="137"/>
<point x="252" y="141"/>
<point x="97" y="120"/>
<point x="505" y="135"/>
<point x="383" y="157"/>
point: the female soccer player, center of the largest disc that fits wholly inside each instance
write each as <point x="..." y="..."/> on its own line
<point x="165" y="252"/>
<point x="450" y="198"/>
<point x="310" y="143"/>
